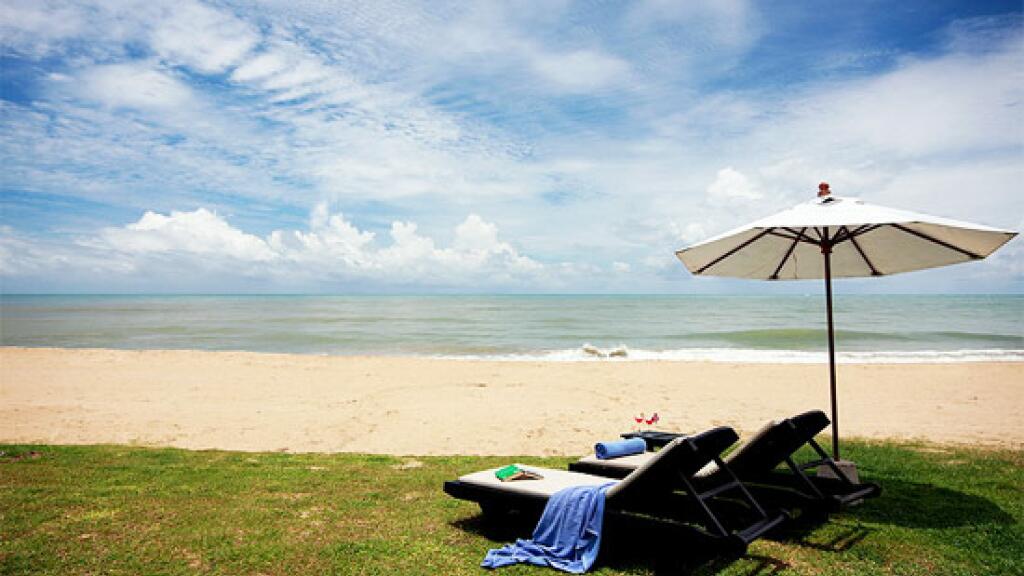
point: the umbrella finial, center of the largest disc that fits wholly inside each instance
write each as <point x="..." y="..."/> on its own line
<point x="823" y="190"/>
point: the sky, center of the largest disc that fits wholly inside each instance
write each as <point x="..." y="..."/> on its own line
<point x="552" y="146"/>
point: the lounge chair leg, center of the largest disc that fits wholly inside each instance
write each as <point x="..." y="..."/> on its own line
<point x="695" y="496"/>
<point x="803" y="477"/>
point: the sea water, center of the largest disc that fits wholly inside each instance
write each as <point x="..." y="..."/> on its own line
<point x="869" y="328"/>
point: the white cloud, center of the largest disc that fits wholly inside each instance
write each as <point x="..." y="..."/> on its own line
<point x="475" y="234"/>
<point x="332" y="250"/>
<point x="200" y="232"/>
<point x="476" y="252"/>
<point x="330" y="238"/>
<point x="691" y="233"/>
<point x="23" y="256"/>
<point x="477" y="241"/>
<point x="133" y="85"/>
<point x="34" y="27"/>
<point x="957" y="103"/>
<point x="177" y="32"/>
<point x="730" y="23"/>
<point x="731" y="186"/>
<point x="202" y="38"/>
<point x="492" y="38"/>
<point x="580" y="70"/>
<point x="961" y="190"/>
<point x="260" y="67"/>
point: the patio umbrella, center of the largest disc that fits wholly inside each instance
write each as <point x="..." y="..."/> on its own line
<point x="841" y="237"/>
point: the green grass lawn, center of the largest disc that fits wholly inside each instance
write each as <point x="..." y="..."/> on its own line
<point x="127" y="510"/>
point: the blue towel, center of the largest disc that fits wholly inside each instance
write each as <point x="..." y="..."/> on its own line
<point x="606" y="450"/>
<point x="567" y="537"/>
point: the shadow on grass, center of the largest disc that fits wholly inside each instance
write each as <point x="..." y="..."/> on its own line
<point x="681" y="553"/>
<point x="637" y="547"/>
<point x="748" y="565"/>
<point x="905" y="504"/>
<point x="833" y="537"/>
<point x="497" y="531"/>
<point x="917" y="505"/>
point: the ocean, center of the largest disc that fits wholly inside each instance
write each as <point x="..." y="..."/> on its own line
<point x="870" y="328"/>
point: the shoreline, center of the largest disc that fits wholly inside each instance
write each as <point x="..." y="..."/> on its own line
<point x="695" y="355"/>
<point x="409" y="405"/>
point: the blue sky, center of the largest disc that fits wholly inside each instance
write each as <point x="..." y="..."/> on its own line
<point x="555" y="146"/>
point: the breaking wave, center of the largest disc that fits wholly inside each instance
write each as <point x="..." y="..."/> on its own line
<point x="753" y="356"/>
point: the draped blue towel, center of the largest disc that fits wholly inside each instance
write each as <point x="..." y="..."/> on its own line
<point x="606" y="450"/>
<point x="567" y="537"/>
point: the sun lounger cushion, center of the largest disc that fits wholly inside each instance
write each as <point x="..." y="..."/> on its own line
<point x="552" y="481"/>
<point x="619" y="448"/>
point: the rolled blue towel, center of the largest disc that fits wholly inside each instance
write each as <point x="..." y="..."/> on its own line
<point x="606" y="450"/>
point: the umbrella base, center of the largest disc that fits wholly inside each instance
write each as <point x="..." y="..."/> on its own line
<point x="847" y="466"/>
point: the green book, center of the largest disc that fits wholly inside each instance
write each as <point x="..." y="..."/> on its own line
<point x="513" y="472"/>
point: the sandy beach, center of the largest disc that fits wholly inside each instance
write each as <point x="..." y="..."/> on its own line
<point x="303" y="403"/>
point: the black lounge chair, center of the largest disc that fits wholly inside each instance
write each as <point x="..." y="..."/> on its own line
<point x="756" y="464"/>
<point x="660" y="492"/>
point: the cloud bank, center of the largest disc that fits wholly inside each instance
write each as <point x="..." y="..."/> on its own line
<point x="598" y="138"/>
<point x="181" y="245"/>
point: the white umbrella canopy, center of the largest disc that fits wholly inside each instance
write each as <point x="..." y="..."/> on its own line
<point x="867" y="240"/>
<point x="842" y="237"/>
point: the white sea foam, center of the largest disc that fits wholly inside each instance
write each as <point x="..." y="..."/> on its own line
<point x="757" y="356"/>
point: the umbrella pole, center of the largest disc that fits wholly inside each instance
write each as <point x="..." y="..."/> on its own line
<point x="827" y="252"/>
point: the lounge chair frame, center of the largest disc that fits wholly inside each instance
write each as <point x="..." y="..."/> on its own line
<point x="790" y="491"/>
<point x="672" y="503"/>
<point x="832" y="494"/>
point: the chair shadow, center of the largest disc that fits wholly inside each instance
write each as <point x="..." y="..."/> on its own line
<point x="759" y="566"/>
<point x="916" y="505"/>
<point x="834" y="536"/>
<point x="636" y="547"/>
<point x="672" y="557"/>
<point x="902" y="503"/>
<point x="500" y="531"/>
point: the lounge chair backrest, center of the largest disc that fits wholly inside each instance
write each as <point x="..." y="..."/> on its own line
<point x="685" y="455"/>
<point x="774" y="443"/>
<point x="653" y="465"/>
<point x="759" y="451"/>
<point x="810" y="423"/>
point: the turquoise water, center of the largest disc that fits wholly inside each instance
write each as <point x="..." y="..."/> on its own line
<point x="735" y="328"/>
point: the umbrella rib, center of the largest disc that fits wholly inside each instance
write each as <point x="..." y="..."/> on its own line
<point x="734" y="250"/>
<point x="924" y="236"/>
<point x="874" y="271"/>
<point x="842" y="235"/>
<point x="801" y="233"/>
<point x="864" y="230"/>
<point x="775" y="275"/>
<point x="847" y="234"/>
<point x="794" y="235"/>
